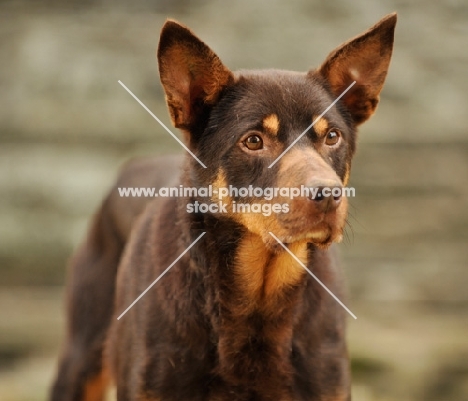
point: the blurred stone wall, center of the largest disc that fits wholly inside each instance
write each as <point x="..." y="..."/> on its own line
<point x="66" y="126"/>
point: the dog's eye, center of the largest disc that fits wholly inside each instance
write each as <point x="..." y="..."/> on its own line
<point x="333" y="137"/>
<point x="254" y="142"/>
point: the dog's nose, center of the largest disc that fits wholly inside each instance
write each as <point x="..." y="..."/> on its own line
<point x="325" y="195"/>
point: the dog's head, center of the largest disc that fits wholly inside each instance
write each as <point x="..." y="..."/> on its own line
<point x="242" y="125"/>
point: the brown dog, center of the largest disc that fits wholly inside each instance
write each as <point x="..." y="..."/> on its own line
<point x="237" y="317"/>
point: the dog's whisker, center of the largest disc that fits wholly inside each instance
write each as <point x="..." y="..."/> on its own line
<point x="348" y="228"/>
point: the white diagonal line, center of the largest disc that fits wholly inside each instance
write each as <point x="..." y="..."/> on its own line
<point x="162" y="124"/>
<point x="313" y="275"/>
<point x="162" y="274"/>
<point x="311" y="125"/>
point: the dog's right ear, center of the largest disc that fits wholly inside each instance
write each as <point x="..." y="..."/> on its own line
<point x="192" y="75"/>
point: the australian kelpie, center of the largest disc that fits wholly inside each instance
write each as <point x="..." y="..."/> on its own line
<point x="236" y="318"/>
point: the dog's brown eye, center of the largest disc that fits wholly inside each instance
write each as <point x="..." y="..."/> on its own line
<point x="254" y="142"/>
<point x="332" y="137"/>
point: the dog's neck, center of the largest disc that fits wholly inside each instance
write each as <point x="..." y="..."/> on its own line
<point x="255" y="293"/>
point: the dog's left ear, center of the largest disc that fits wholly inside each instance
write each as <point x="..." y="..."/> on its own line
<point x="191" y="73"/>
<point x="364" y="59"/>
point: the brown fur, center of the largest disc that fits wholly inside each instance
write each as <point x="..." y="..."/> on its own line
<point x="237" y="318"/>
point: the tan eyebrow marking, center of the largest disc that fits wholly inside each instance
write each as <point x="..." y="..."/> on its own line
<point x="271" y="124"/>
<point x="321" y="126"/>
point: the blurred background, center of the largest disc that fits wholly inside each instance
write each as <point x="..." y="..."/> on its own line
<point x="66" y="126"/>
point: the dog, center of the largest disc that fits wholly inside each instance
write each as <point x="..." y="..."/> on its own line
<point x="237" y="318"/>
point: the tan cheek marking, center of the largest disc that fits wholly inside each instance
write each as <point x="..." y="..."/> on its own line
<point x="321" y="126"/>
<point x="221" y="182"/>
<point x="271" y="124"/>
<point x="346" y="175"/>
<point x="259" y="224"/>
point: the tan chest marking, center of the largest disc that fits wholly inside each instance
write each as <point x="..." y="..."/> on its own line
<point x="262" y="275"/>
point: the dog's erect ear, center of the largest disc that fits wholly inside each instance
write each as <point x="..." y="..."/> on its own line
<point x="364" y="59"/>
<point x="191" y="73"/>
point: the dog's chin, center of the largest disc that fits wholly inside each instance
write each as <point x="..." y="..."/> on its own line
<point x="320" y="237"/>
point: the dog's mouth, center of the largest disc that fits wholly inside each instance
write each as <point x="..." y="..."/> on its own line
<point x="320" y="229"/>
<point x="321" y="235"/>
<point x="302" y="224"/>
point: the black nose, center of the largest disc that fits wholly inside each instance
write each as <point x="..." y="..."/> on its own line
<point x="326" y="195"/>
